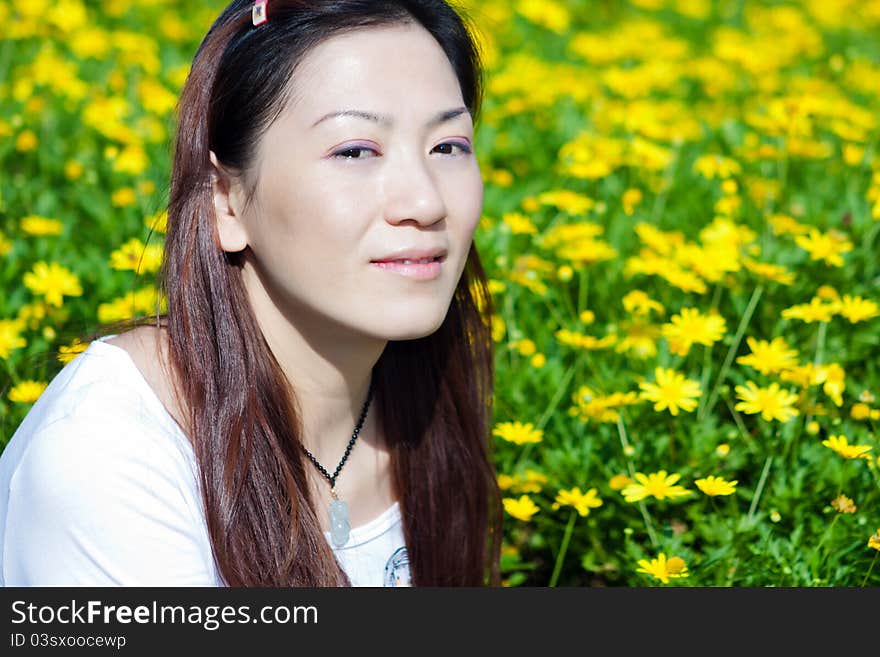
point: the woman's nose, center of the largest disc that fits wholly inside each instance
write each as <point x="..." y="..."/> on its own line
<point x="412" y="191"/>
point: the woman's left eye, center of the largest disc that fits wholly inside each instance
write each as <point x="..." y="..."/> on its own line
<point x="464" y="147"/>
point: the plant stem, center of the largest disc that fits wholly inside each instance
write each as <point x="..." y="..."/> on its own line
<point x="552" y="310"/>
<point x="737" y="418"/>
<point x="704" y="378"/>
<point x="731" y="572"/>
<point x="563" y="386"/>
<point x="621" y="431"/>
<point x="743" y="323"/>
<point x="760" y="489"/>
<point x="583" y="286"/>
<point x="707" y="353"/>
<point x="827" y="532"/>
<point x="563" y="548"/>
<point x="820" y="343"/>
<point x="873" y="561"/>
<point x="817" y="359"/>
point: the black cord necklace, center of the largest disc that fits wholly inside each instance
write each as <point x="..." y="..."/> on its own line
<point x="340" y="527"/>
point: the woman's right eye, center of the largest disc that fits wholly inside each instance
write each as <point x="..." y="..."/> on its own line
<point x="346" y="153"/>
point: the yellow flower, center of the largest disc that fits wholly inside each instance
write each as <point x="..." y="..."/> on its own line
<point x="566" y="200"/>
<point x="815" y="311"/>
<point x="67" y="353"/>
<point x="137" y="256"/>
<point x="499" y="327"/>
<point x="36" y="225"/>
<point x="843" y="504"/>
<point x="500" y="177"/>
<point x="841" y="445"/>
<point x="671" y="391"/>
<point x="546" y="13"/>
<point x="874" y="540"/>
<point x="582" y="502"/>
<point x="716" y="166"/>
<point x="509" y="550"/>
<point x="155" y="97"/>
<point x="618" y="481"/>
<point x="521" y="509"/>
<point x="772" y="402"/>
<point x="852" y="154"/>
<point x="860" y="411"/>
<point x="123" y="197"/>
<point x="525" y="346"/>
<point x="518" y="433"/>
<point x="26" y="141"/>
<point x="630" y="199"/>
<point x="771" y="272"/>
<point x="662" y="569"/>
<point x="832" y="377"/>
<point x="505" y="481"/>
<point x="657" y="484"/>
<point x="857" y="309"/>
<point x="825" y="246"/>
<point x="769" y="357"/>
<point x="639" y="338"/>
<point x="133" y="159"/>
<point x="5" y="245"/>
<point x="73" y="169"/>
<point x="827" y="292"/>
<point x="712" y="486"/>
<point x="52" y="280"/>
<point x="639" y="303"/>
<point x="519" y="223"/>
<point x="534" y="477"/>
<point x="783" y="224"/>
<point x="805" y="375"/>
<point x="10" y="336"/>
<point x="27" y="392"/>
<point x="722" y="450"/>
<point x="565" y="273"/>
<point x="593" y="406"/>
<point x="689" y="327"/>
<point x="529" y="482"/>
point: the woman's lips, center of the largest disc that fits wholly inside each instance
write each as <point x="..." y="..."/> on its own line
<point x="415" y="270"/>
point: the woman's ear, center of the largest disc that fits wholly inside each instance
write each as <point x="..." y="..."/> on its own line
<point x="230" y="227"/>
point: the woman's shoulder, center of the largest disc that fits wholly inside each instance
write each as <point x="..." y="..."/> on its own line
<point x="147" y="349"/>
<point x="98" y="407"/>
<point x="95" y="470"/>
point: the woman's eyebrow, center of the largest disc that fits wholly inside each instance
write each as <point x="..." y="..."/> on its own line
<point x="440" y="117"/>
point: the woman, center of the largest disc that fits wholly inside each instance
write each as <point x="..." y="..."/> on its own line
<point x="314" y="408"/>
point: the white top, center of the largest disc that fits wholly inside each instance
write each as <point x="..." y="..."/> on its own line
<point x="98" y="487"/>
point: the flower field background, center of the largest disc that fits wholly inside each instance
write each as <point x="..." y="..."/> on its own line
<point x="681" y="218"/>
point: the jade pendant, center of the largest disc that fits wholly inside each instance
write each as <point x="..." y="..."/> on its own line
<point x="339" y="525"/>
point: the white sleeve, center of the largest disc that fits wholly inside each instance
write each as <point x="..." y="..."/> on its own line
<point x="99" y="501"/>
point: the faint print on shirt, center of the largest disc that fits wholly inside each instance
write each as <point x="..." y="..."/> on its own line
<point x="397" y="569"/>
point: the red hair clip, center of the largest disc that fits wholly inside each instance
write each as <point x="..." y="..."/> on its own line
<point x="258" y="13"/>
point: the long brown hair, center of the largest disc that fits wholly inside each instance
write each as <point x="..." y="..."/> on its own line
<point x="433" y="395"/>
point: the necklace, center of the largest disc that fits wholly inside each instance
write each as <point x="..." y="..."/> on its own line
<point x="340" y="527"/>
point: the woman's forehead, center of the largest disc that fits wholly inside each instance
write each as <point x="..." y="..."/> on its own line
<point x="390" y="69"/>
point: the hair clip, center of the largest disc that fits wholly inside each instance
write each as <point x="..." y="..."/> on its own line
<point x="258" y="13"/>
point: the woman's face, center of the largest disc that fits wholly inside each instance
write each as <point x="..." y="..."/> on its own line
<point x="336" y="193"/>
